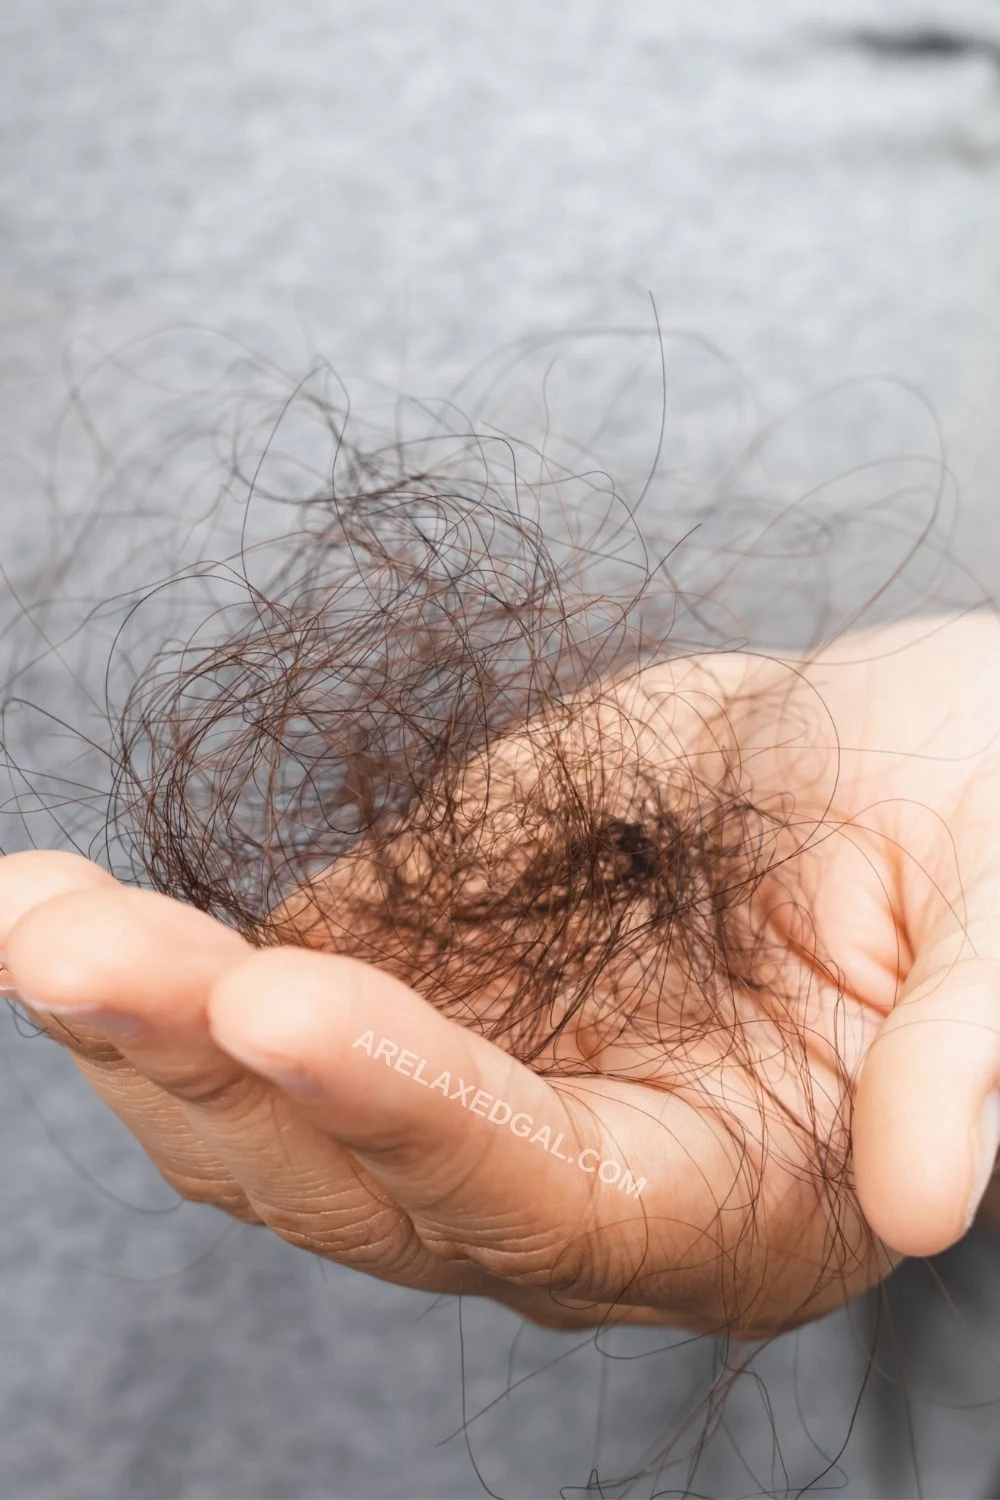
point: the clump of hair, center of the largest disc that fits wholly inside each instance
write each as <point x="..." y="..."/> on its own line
<point x="409" y="744"/>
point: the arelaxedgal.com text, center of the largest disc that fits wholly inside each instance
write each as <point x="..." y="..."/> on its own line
<point x="499" y="1112"/>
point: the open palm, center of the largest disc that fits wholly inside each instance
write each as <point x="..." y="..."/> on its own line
<point x="710" y="1154"/>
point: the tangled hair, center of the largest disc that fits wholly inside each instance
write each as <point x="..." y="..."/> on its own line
<point x="413" y="727"/>
<point x="426" y="700"/>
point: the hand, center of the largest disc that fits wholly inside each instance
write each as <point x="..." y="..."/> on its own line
<point x="753" y="1174"/>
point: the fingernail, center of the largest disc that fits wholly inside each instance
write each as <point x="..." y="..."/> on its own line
<point x="987" y="1145"/>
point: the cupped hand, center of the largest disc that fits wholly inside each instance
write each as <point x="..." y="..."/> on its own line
<point x="715" y="1186"/>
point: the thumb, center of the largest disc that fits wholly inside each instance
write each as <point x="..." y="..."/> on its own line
<point x="927" y="1106"/>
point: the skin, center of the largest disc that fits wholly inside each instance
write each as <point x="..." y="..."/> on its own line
<point x="235" y="1069"/>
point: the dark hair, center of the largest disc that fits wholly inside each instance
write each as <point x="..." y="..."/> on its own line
<point x="378" y="737"/>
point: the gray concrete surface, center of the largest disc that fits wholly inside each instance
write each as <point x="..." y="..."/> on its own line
<point x="407" y="189"/>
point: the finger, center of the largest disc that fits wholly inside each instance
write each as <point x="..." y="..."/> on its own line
<point x="47" y="887"/>
<point x="148" y="963"/>
<point x="37" y="875"/>
<point x="157" y="1121"/>
<point x="927" y="1107"/>
<point x="27" y="880"/>
<point x="132" y="964"/>
<point x="595" y="1188"/>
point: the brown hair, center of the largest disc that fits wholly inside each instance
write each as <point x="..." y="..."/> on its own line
<point x="383" y="742"/>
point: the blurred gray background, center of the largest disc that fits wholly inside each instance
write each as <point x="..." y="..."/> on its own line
<point x="811" y="186"/>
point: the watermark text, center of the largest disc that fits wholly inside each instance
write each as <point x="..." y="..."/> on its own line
<point x="498" y="1112"/>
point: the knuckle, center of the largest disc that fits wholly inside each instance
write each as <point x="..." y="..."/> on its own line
<point x="221" y="1191"/>
<point x="208" y="1088"/>
<point x="85" y="1042"/>
<point x="377" y="1240"/>
<point x="520" y="1258"/>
